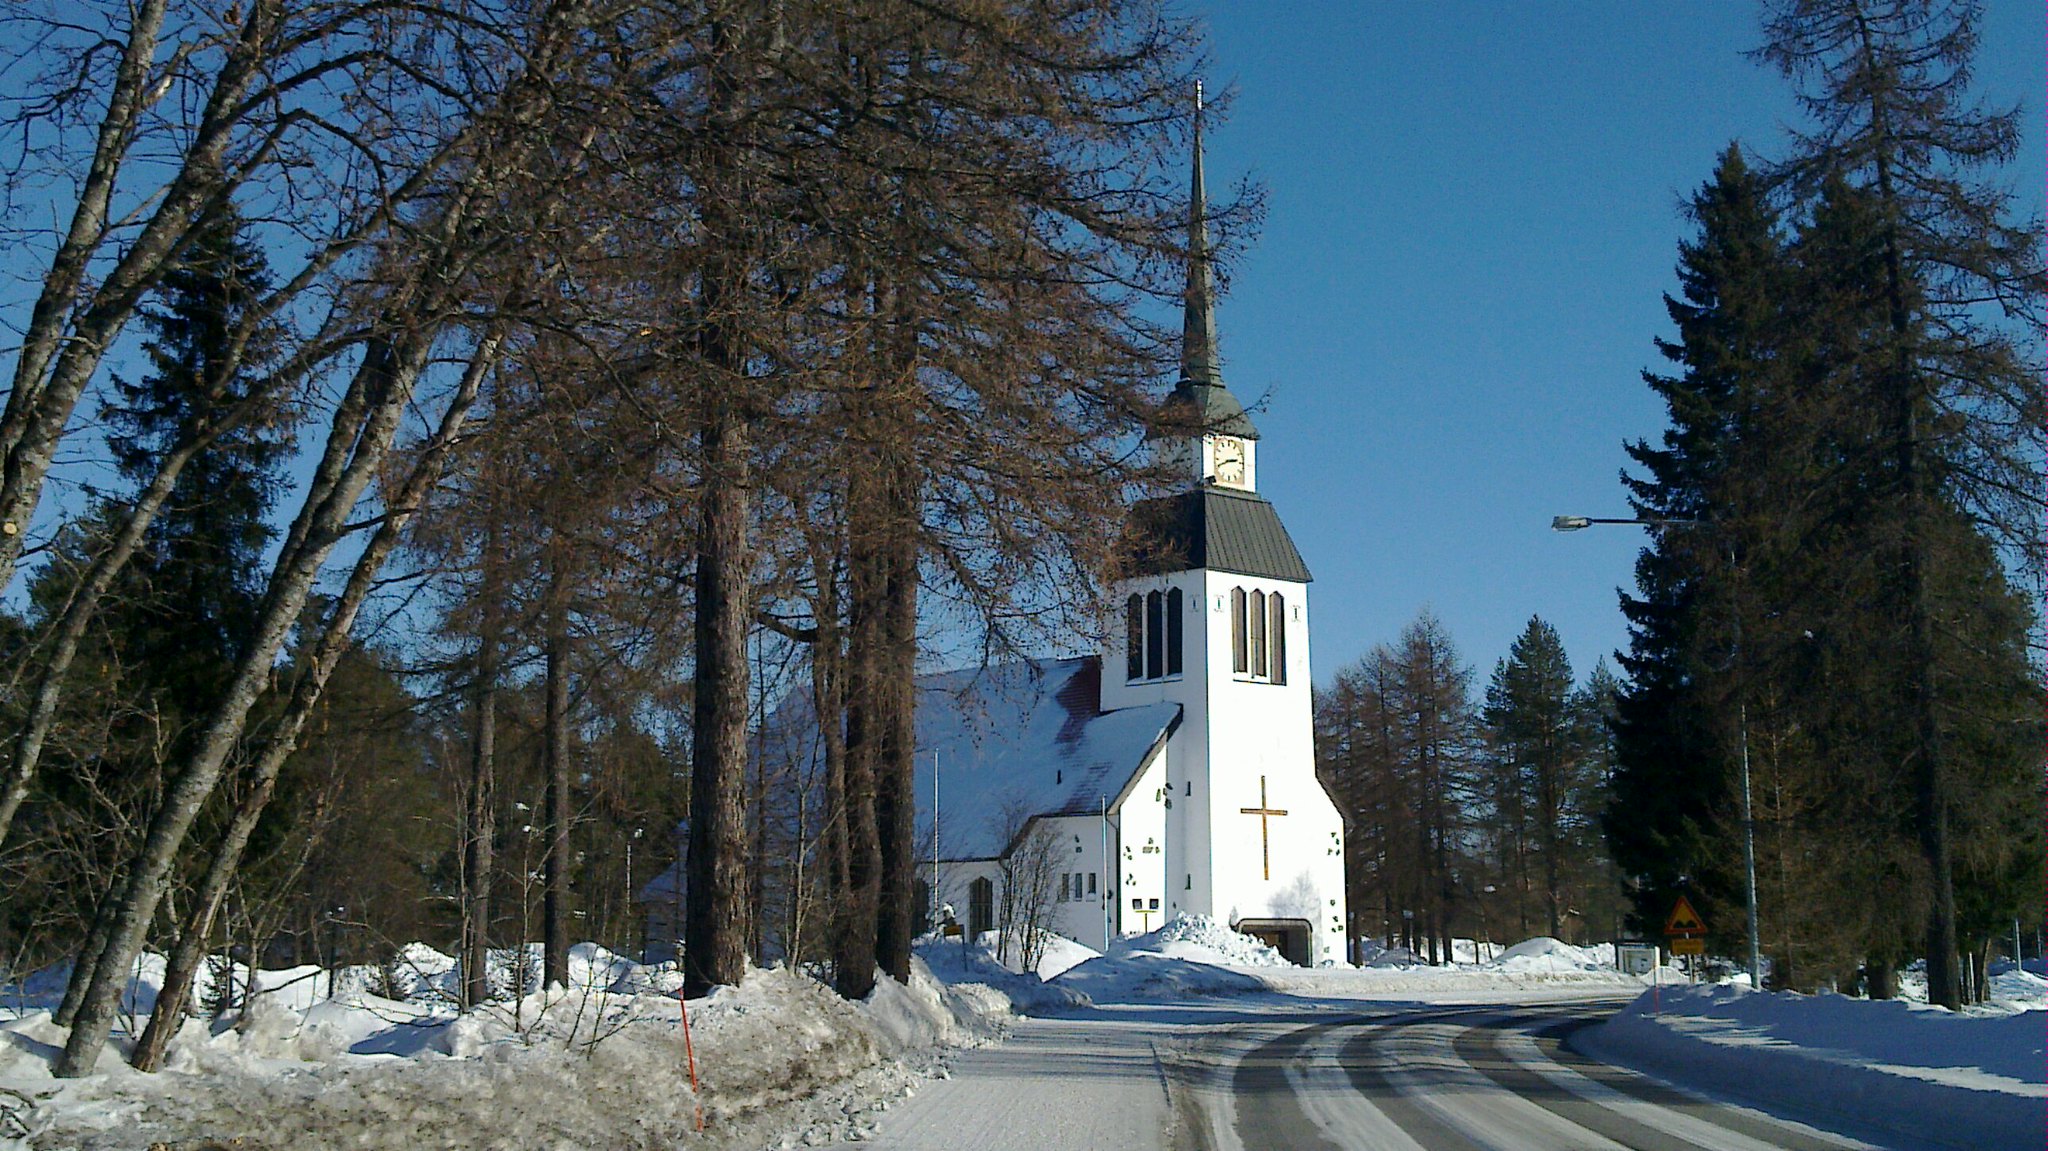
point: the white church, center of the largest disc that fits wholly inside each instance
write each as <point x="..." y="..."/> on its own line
<point x="1176" y="774"/>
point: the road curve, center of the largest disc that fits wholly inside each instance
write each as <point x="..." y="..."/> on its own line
<point x="1466" y="1079"/>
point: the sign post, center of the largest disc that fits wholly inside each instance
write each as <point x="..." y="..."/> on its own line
<point x="1687" y="932"/>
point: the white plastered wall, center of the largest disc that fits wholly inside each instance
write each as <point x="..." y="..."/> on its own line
<point x="1257" y="730"/>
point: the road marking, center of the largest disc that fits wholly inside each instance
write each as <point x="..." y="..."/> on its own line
<point x="1444" y="1081"/>
<point x="1324" y="1086"/>
<point x="1772" y="1131"/>
<point x="1535" y="1054"/>
<point x="1482" y="1048"/>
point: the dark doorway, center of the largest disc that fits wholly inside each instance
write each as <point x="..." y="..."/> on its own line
<point x="1289" y="937"/>
<point x="981" y="907"/>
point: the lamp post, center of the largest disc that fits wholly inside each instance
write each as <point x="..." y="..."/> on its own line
<point x="1756" y="965"/>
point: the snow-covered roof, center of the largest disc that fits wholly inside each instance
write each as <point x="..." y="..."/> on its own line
<point x="1025" y="737"/>
<point x="1015" y="738"/>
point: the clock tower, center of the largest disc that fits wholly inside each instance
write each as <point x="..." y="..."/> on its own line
<point x="1216" y="620"/>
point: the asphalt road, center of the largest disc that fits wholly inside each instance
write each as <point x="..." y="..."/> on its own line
<point x="1278" y="1076"/>
<point x="1468" y="1079"/>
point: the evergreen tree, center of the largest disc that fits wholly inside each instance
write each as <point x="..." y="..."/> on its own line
<point x="186" y="603"/>
<point x="1668" y="820"/>
<point x="1886" y="83"/>
<point x="1540" y="765"/>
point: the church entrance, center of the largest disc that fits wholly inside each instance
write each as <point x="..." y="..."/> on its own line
<point x="1289" y="937"/>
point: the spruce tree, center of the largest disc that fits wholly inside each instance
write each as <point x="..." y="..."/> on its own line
<point x="1669" y="821"/>
<point x="190" y="596"/>
<point x="1538" y="759"/>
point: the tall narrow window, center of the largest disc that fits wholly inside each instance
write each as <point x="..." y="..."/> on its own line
<point x="981" y="907"/>
<point x="1134" y="637"/>
<point x="1240" y="652"/>
<point x="1256" y="614"/>
<point x="1277" y="638"/>
<point x="1175" y="611"/>
<point x="1155" y="635"/>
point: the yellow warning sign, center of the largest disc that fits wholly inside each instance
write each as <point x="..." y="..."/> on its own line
<point x="1688" y="945"/>
<point x="1684" y="920"/>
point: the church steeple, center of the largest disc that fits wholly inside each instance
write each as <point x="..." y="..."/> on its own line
<point x="1201" y="383"/>
<point x="1198" y="327"/>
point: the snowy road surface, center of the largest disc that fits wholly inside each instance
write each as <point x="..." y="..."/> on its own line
<point x="1095" y="1082"/>
<point x="1272" y="1074"/>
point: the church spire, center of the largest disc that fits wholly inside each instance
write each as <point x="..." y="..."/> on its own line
<point x="1201" y="370"/>
<point x="1198" y="331"/>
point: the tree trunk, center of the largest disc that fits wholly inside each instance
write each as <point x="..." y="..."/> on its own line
<point x="555" y="894"/>
<point x="480" y="818"/>
<point x="857" y="907"/>
<point x="88" y="958"/>
<point x="895" y="691"/>
<point x="714" y="913"/>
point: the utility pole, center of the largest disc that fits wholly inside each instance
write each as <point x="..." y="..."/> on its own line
<point x="1578" y="523"/>
<point x="1106" y="875"/>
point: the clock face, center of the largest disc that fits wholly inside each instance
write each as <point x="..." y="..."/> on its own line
<point x="1229" y="456"/>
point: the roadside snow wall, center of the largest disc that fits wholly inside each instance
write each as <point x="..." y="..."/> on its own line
<point x="781" y="1060"/>
<point x="1924" y="1072"/>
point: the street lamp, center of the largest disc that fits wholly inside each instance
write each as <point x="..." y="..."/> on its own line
<point x="1756" y="965"/>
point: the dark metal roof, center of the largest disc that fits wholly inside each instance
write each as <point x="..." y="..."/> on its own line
<point x="1217" y="529"/>
<point x="1213" y="407"/>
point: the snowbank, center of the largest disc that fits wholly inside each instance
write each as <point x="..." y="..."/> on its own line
<point x="1190" y="957"/>
<point x="780" y="1059"/>
<point x="970" y="969"/>
<point x="1206" y="939"/>
<point x="1969" y="1080"/>
<point x="2012" y="988"/>
<point x="1546" y="955"/>
<point x="1061" y="954"/>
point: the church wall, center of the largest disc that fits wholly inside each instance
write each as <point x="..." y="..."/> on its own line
<point x="1138" y="840"/>
<point x="1077" y="843"/>
<point x="1184" y="827"/>
<point x="1265" y="729"/>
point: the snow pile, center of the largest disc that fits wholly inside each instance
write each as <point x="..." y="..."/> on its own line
<point x="1205" y="939"/>
<point x="780" y="1059"/>
<point x="1060" y="954"/>
<point x="1190" y="957"/>
<point x="2012" y="988"/>
<point x="1953" y="1079"/>
<point x="1056" y="952"/>
<point x="971" y="970"/>
<point x="2017" y="989"/>
<point x="1544" y="955"/>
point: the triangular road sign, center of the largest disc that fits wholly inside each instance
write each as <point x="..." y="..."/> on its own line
<point x="1684" y="920"/>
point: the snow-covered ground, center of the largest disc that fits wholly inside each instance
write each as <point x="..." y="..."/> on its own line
<point x="327" y="1061"/>
<point x="1952" y="1079"/>
<point x="375" y="1057"/>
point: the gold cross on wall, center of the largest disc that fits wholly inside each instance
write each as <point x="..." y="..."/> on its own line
<point x="1262" y="811"/>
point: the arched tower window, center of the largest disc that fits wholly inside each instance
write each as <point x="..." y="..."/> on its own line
<point x="1153" y="633"/>
<point x="1258" y="635"/>
<point x="1256" y="614"/>
<point x="1240" y="651"/>
<point x="1276" y="638"/>
<point x="1134" y="637"/>
<point x="1175" y="616"/>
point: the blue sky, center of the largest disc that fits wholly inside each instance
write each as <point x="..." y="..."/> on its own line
<point x="1473" y="213"/>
